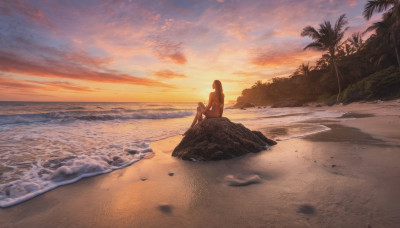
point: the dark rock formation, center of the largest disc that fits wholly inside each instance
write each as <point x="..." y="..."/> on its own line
<point x="217" y="139"/>
<point x="243" y="105"/>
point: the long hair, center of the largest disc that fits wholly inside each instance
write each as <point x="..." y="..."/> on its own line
<point x="219" y="91"/>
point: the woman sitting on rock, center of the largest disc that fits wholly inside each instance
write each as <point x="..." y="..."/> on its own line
<point x="215" y="106"/>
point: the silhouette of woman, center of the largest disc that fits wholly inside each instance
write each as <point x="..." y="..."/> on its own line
<point x="215" y="106"/>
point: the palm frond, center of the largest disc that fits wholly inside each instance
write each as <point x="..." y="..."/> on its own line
<point x="340" y="23"/>
<point x="377" y="6"/>
<point x="311" y="32"/>
<point x="316" y="46"/>
<point x="377" y="25"/>
<point x="339" y="29"/>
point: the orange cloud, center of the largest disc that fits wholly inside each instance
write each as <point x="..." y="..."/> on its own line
<point x="23" y="85"/>
<point x="248" y="74"/>
<point x="284" y="57"/>
<point x="84" y="58"/>
<point x="60" y="67"/>
<point x="169" y="74"/>
<point x="352" y="2"/>
<point x="64" y="85"/>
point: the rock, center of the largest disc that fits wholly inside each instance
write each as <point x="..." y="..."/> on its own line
<point x="132" y="151"/>
<point x="165" y="208"/>
<point x="219" y="138"/>
<point x="170" y="174"/>
<point x="244" y="105"/>
<point x="244" y="181"/>
<point x="306" y="209"/>
<point x="333" y="166"/>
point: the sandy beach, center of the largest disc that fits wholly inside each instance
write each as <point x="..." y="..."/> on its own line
<point x="346" y="177"/>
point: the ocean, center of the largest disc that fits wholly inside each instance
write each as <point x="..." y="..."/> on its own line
<point x="44" y="145"/>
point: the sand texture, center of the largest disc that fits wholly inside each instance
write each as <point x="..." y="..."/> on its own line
<point x="346" y="177"/>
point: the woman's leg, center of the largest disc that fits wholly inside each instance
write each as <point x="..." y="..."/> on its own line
<point x="196" y="117"/>
<point x="202" y="109"/>
<point x="199" y="115"/>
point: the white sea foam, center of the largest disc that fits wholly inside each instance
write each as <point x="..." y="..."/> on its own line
<point x="318" y="129"/>
<point x="44" y="176"/>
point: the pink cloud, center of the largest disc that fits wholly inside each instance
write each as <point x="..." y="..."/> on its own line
<point x="169" y="50"/>
<point x="23" y="8"/>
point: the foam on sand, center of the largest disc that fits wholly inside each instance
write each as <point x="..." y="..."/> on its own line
<point x="296" y="130"/>
<point x="45" y="176"/>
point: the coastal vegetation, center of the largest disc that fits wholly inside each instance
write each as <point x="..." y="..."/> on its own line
<point x="348" y="70"/>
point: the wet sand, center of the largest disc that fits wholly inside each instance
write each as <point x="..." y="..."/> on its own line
<point x="346" y="177"/>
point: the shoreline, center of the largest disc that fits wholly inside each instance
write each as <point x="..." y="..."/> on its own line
<point x="330" y="178"/>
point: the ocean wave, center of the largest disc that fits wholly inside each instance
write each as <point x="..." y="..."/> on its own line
<point x="45" y="176"/>
<point x="89" y="116"/>
<point x="75" y="108"/>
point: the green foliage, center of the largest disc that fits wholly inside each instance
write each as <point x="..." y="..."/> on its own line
<point x="384" y="84"/>
<point x="366" y="69"/>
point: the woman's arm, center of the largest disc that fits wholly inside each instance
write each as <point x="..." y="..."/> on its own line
<point x="210" y="99"/>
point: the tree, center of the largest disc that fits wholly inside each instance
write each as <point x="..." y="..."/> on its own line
<point x="391" y="16"/>
<point x="328" y="38"/>
<point x="383" y="29"/>
<point x="345" y="49"/>
<point x="323" y="62"/>
<point x="356" y="42"/>
<point x="352" y="45"/>
<point x="304" y="69"/>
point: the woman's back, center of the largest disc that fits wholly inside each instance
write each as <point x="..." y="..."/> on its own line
<point x="217" y="105"/>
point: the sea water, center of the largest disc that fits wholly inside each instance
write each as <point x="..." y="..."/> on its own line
<point x="44" y="145"/>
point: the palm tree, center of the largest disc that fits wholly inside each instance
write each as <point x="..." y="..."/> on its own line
<point x="356" y="41"/>
<point x="328" y="38"/>
<point x="303" y="69"/>
<point x="383" y="29"/>
<point x="392" y="15"/>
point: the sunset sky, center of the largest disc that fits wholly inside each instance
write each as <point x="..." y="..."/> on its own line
<point x="148" y="50"/>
